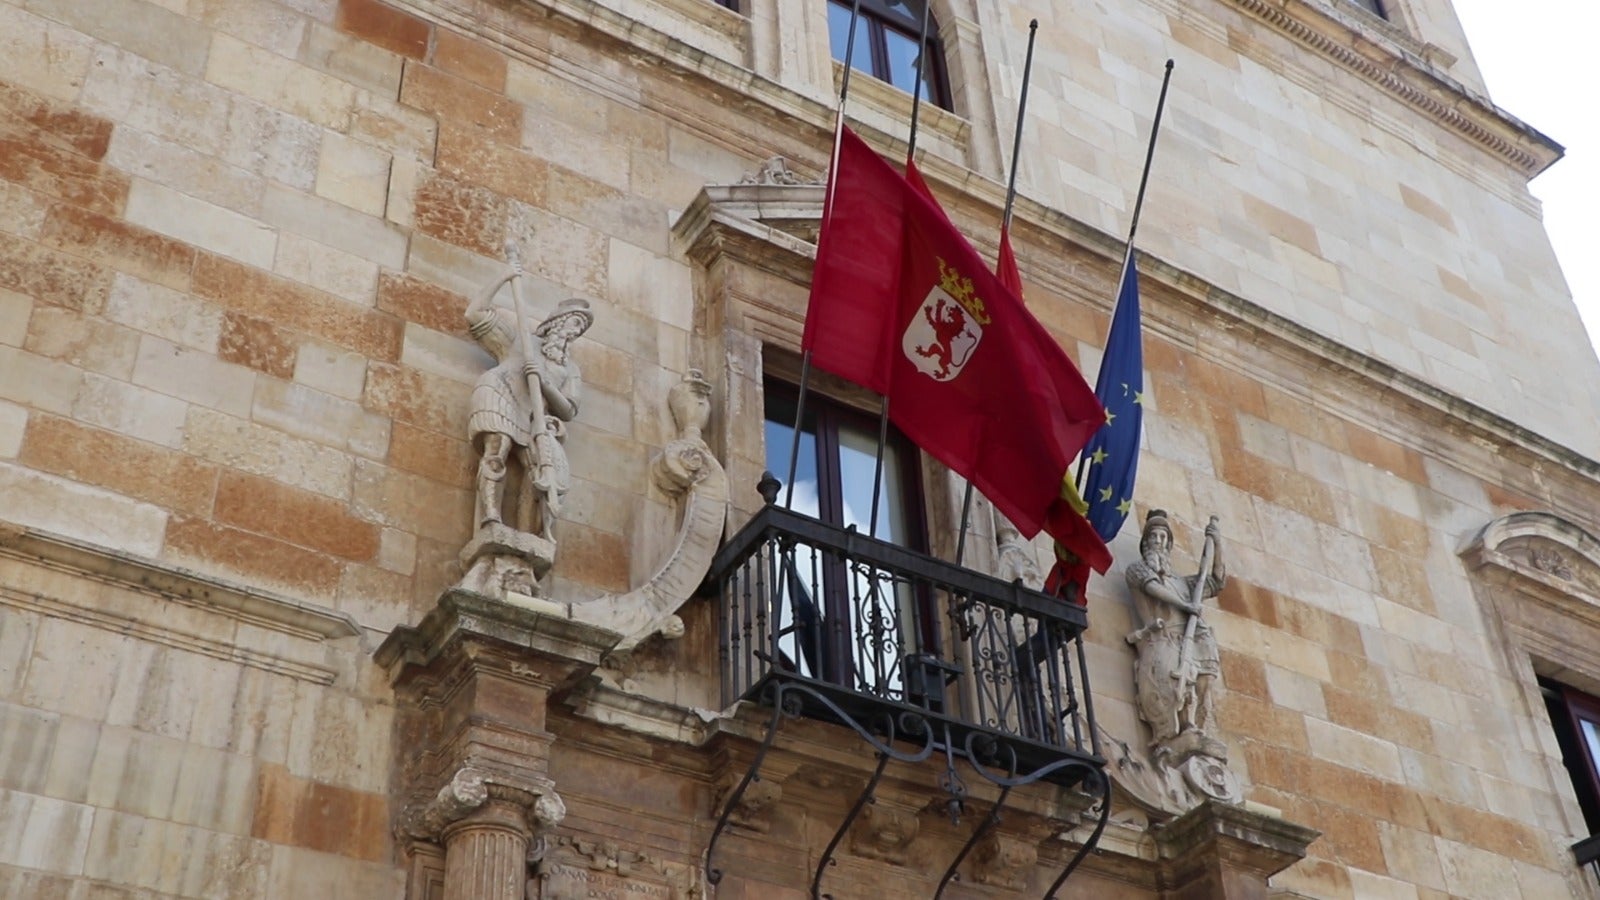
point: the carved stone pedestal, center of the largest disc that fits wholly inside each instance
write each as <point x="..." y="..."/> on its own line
<point x="472" y="684"/>
<point x="500" y="559"/>
<point x="1218" y="851"/>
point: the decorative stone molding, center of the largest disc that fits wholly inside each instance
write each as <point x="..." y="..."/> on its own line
<point x="579" y="869"/>
<point x="1224" y="852"/>
<point x="1545" y="556"/>
<point x="1541" y="574"/>
<point x="687" y="472"/>
<point x="44" y="573"/>
<point x="775" y="171"/>
<point x="463" y="793"/>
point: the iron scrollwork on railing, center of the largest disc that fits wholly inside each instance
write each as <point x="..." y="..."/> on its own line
<point x="914" y="654"/>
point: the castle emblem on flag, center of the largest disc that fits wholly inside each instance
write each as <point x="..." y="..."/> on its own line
<point x="946" y="329"/>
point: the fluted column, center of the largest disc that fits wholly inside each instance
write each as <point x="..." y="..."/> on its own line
<point x="486" y="854"/>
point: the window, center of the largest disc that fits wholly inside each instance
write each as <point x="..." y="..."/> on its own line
<point x="833" y="483"/>
<point x="1372" y="6"/>
<point x="886" y="45"/>
<point x="1576" y="717"/>
<point x="728" y="4"/>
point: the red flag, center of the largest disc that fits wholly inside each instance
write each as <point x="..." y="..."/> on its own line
<point x="1005" y="266"/>
<point x="1078" y="546"/>
<point x="902" y="304"/>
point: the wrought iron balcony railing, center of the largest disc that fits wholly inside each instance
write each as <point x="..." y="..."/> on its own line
<point x="915" y="654"/>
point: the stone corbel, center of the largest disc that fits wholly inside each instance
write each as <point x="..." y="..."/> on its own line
<point x="688" y="473"/>
<point x="1004" y="861"/>
<point x="754" y="811"/>
<point x="885" y="832"/>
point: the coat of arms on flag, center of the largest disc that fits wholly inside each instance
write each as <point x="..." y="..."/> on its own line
<point x="946" y="328"/>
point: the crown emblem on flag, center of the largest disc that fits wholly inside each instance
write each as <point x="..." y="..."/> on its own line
<point x="960" y="289"/>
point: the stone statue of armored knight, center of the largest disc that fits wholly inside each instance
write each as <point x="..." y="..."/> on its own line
<point x="520" y="408"/>
<point x="1178" y="663"/>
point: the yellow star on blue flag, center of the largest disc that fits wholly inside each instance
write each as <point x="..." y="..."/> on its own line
<point x="1120" y="388"/>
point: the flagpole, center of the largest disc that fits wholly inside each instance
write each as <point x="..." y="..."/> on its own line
<point x="827" y="213"/>
<point x="1016" y="140"/>
<point x="916" y="90"/>
<point x="1133" y="226"/>
<point x="911" y="149"/>
<point x="1005" y="223"/>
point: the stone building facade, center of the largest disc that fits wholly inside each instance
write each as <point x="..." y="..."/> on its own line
<point x="238" y="239"/>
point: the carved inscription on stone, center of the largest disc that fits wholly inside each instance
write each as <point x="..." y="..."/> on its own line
<point x="570" y="882"/>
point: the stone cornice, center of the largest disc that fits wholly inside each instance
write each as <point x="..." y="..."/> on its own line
<point x="1380" y="55"/>
<point x="136" y="582"/>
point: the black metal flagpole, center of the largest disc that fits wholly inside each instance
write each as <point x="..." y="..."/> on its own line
<point x="1005" y="223"/>
<point x="1133" y="226"/>
<point x="911" y="149"/>
<point x="827" y="213"/>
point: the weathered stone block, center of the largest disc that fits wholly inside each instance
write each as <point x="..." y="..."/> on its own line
<point x="164" y="477"/>
<point x="253" y="292"/>
<point x="260" y="450"/>
<point x="202" y="224"/>
<point x="422" y="302"/>
<point x="217" y="547"/>
<point x="336" y="272"/>
<point x="381" y="24"/>
<point x="256" y="345"/>
<point x="354" y="174"/>
<point x="471" y="58"/>
<point x="296" y="516"/>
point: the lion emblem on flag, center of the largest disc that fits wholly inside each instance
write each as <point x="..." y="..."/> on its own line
<point x="941" y="336"/>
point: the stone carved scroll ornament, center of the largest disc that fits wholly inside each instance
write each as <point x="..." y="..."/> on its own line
<point x="688" y="474"/>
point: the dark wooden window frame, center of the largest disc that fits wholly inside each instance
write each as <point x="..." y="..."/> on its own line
<point x="1568" y="709"/>
<point x="878" y="17"/>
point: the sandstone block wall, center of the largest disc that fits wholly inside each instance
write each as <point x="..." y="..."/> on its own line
<point x="236" y="238"/>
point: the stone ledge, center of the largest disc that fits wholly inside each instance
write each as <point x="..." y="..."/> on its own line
<point x="151" y="576"/>
<point x="225" y="607"/>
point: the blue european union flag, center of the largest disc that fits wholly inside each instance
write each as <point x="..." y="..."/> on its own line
<point x="1112" y="455"/>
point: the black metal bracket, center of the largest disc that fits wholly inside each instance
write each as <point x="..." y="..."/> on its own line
<point x="978" y="834"/>
<point x="714" y="874"/>
<point x="865" y="797"/>
<point x="1094" y="837"/>
<point x="789" y="698"/>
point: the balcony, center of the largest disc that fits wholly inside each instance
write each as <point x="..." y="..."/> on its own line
<point x="916" y="655"/>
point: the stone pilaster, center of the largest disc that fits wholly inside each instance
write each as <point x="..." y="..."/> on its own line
<point x="486" y="854"/>
<point x="472" y="684"/>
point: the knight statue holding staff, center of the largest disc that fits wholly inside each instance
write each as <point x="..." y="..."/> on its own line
<point x="521" y="405"/>
<point x="1178" y="662"/>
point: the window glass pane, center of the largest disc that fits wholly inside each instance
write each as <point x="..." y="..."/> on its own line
<point x="779" y="436"/>
<point x="1591" y="740"/>
<point x="858" y="449"/>
<point x="903" y="65"/>
<point x="800" y="614"/>
<point x="839" y="33"/>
